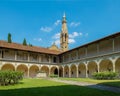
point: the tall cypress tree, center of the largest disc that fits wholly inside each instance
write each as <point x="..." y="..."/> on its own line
<point x="24" y="42"/>
<point x="30" y="45"/>
<point x="9" y="38"/>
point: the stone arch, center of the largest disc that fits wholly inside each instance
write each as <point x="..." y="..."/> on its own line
<point x="66" y="71"/>
<point x="82" y="70"/>
<point x="8" y="67"/>
<point x="33" y="70"/>
<point x="106" y="65"/>
<point x="117" y="66"/>
<point x="45" y="69"/>
<point x="92" y="67"/>
<point x="23" y="68"/>
<point x="54" y="70"/>
<point x="60" y="71"/>
<point x="73" y="71"/>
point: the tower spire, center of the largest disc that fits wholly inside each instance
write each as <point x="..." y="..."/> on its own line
<point x="64" y="34"/>
<point x="64" y="16"/>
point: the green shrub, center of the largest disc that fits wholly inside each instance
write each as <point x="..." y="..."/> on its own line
<point x="53" y="75"/>
<point x="105" y="75"/>
<point x="8" y="77"/>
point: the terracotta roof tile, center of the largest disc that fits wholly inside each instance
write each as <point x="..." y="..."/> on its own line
<point x="109" y="36"/>
<point x="17" y="46"/>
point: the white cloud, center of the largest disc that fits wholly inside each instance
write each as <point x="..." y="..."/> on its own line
<point x="37" y="39"/>
<point x="46" y="29"/>
<point x="57" y="22"/>
<point x="74" y="24"/>
<point x="49" y="29"/>
<point x="56" y="36"/>
<point x="75" y="34"/>
<point x="71" y="41"/>
<point x="57" y="42"/>
<point x="80" y="33"/>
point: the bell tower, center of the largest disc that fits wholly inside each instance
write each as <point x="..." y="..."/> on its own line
<point x="64" y="35"/>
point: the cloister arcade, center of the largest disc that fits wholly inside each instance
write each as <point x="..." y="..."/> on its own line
<point x="81" y="70"/>
<point x="75" y="69"/>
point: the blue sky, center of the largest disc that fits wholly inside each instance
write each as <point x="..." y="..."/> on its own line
<point x="40" y="21"/>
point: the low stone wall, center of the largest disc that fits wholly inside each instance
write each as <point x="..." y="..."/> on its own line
<point x="43" y="75"/>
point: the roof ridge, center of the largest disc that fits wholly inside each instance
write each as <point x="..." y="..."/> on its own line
<point x="15" y="45"/>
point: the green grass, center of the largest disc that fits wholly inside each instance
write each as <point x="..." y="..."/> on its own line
<point x="115" y="83"/>
<point x="42" y="87"/>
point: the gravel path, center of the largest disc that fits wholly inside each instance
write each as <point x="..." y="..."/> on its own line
<point x="90" y="85"/>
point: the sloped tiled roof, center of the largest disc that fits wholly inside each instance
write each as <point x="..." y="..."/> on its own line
<point x="17" y="46"/>
<point x="109" y="36"/>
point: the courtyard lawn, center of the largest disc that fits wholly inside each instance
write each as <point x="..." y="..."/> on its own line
<point x="114" y="83"/>
<point x="42" y="87"/>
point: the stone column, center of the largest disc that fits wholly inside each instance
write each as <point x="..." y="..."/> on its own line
<point x="113" y="44"/>
<point x="77" y="71"/>
<point x="113" y="63"/>
<point x="39" y="67"/>
<point x="49" y="59"/>
<point x="69" y="71"/>
<point x="28" y="57"/>
<point x="15" y="67"/>
<point x="86" y="70"/>
<point x="39" y="57"/>
<point x="28" y="73"/>
<point x="49" y="70"/>
<point x="63" y="72"/>
<point x="98" y="68"/>
<point x="15" y="55"/>
<point x="58" y="71"/>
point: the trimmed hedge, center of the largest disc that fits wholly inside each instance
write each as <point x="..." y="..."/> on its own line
<point x="53" y="76"/>
<point x="8" y="77"/>
<point x="105" y="75"/>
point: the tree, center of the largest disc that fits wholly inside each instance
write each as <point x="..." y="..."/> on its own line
<point x="9" y="38"/>
<point x="24" y="42"/>
<point x="30" y="45"/>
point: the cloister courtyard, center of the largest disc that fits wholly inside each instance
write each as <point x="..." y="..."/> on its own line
<point x="60" y="48"/>
<point x="47" y="87"/>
